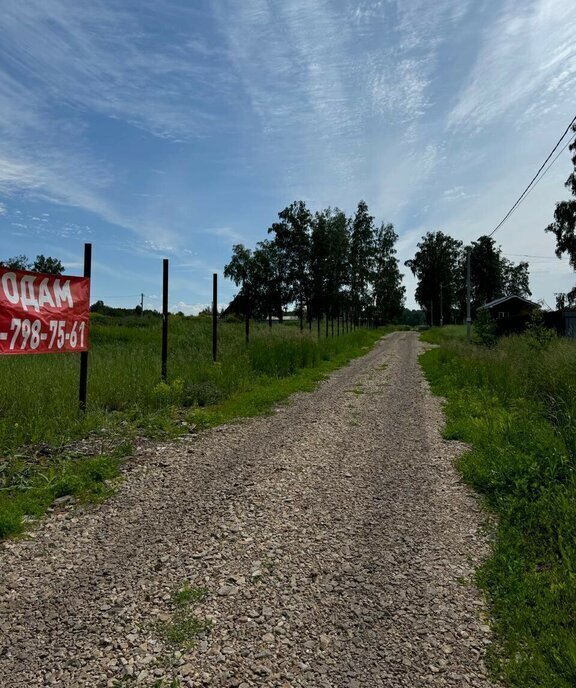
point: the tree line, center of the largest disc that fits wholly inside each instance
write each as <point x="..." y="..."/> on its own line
<point x="44" y="264"/>
<point x="324" y="263"/>
<point x="440" y="267"/>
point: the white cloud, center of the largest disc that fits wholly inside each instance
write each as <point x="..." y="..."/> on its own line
<point x="3" y="209"/>
<point x="526" y="65"/>
<point x="189" y="308"/>
<point x="228" y="234"/>
<point x="102" y="60"/>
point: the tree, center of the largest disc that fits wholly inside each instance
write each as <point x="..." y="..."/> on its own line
<point x="486" y="273"/>
<point x="240" y="271"/>
<point x="491" y="275"/>
<point x="329" y="261"/>
<point x="515" y="278"/>
<point x="564" y="225"/>
<point x="16" y="263"/>
<point x="270" y="292"/>
<point x="387" y="280"/>
<point x="293" y="241"/>
<point x="45" y="264"/>
<point x="361" y="258"/>
<point x="436" y="266"/>
<point x="48" y="265"/>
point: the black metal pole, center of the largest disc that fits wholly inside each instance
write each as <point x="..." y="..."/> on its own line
<point x="84" y="354"/>
<point x="247" y="322"/>
<point x="164" y="319"/>
<point x="214" y="317"/>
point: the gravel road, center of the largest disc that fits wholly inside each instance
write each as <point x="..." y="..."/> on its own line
<point x="334" y="540"/>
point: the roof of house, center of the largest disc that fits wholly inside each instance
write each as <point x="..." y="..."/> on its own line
<point x="503" y="299"/>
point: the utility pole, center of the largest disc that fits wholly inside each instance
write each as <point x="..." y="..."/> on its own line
<point x="468" y="315"/>
<point x="441" y="307"/>
<point x="141" y="305"/>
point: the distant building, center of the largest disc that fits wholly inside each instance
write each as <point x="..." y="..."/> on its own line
<point x="510" y="313"/>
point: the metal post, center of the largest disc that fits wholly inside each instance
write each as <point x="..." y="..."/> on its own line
<point x="214" y="316"/>
<point x="164" y="319"/>
<point x="84" y="354"/>
<point x="468" y="290"/>
<point x="141" y="304"/>
<point x="441" y="307"/>
<point x="247" y="315"/>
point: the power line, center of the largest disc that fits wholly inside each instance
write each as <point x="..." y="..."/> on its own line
<point x="527" y="255"/>
<point x="570" y="140"/>
<point x="533" y="180"/>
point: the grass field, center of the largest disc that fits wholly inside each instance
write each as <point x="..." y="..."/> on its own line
<point x="515" y="404"/>
<point x="39" y="413"/>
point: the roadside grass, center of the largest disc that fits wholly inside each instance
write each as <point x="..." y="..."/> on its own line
<point x="439" y="335"/>
<point x="38" y="398"/>
<point x="28" y="486"/>
<point x="515" y="405"/>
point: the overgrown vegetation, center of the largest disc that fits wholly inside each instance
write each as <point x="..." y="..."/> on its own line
<point x="29" y="485"/>
<point x="39" y="415"/>
<point x="515" y="404"/>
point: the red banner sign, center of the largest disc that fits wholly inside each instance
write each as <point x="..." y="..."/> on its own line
<point x="43" y="314"/>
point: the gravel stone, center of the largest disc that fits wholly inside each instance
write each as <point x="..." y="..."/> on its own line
<point x="332" y="538"/>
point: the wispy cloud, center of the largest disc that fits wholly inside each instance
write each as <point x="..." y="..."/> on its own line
<point x="3" y="209"/>
<point x="66" y="62"/>
<point x="526" y="64"/>
<point x="228" y="234"/>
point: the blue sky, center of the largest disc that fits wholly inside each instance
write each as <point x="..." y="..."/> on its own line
<point x="177" y="128"/>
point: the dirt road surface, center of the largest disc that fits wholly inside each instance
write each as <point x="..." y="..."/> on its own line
<point x="334" y="540"/>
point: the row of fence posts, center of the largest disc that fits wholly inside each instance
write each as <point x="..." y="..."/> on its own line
<point x="343" y="322"/>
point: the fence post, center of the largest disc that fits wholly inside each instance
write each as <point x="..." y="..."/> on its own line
<point x="84" y="354"/>
<point x="247" y="317"/>
<point x="164" y="319"/>
<point x="214" y="316"/>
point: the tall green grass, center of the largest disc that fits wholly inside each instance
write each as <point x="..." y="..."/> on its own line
<point x="515" y="404"/>
<point x="38" y="394"/>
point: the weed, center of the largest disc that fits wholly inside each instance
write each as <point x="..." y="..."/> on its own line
<point x="187" y="594"/>
<point x="183" y="629"/>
